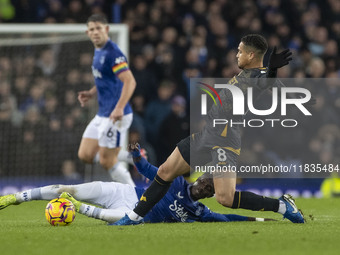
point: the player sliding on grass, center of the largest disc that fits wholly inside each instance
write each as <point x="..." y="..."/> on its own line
<point x="179" y="204"/>
<point x="222" y="145"/>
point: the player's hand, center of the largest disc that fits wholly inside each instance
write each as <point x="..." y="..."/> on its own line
<point x="83" y="97"/>
<point x="134" y="149"/>
<point x="117" y="114"/>
<point x="278" y="60"/>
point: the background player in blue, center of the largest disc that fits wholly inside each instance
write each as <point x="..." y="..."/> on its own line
<point x="179" y="204"/>
<point x="114" y="86"/>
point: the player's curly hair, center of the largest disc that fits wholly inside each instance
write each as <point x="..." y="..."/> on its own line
<point x="97" y="18"/>
<point x="257" y="42"/>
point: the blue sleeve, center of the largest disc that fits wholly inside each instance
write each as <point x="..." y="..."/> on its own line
<point x="118" y="60"/>
<point x="146" y="169"/>
<point x="217" y="217"/>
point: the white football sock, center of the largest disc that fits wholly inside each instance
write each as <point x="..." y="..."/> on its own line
<point x="120" y="174"/>
<point x="96" y="159"/>
<point x="125" y="156"/>
<point x="44" y="193"/>
<point x="87" y="210"/>
<point x="24" y="196"/>
<point x="134" y="216"/>
<point x="109" y="215"/>
<point x="282" y="207"/>
<point x="259" y="219"/>
<point x="112" y="215"/>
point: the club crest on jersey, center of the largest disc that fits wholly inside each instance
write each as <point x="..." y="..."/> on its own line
<point x="119" y="60"/>
<point x="102" y="60"/>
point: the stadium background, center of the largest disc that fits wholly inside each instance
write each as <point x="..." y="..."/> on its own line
<point x="41" y="122"/>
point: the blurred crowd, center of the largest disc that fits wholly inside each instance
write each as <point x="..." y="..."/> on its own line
<point x="170" y="42"/>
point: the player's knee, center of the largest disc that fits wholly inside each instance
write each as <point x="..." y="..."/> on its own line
<point x="85" y="157"/>
<point x="106" y="162"/>
<point x="165" y="173"/>
<point x="225" y="198"/>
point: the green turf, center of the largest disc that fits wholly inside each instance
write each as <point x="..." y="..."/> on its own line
<point x="24" y="230"/>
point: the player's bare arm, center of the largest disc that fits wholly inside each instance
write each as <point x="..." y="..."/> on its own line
<point x="86" y="95"/>
<point x="129" y="85"/>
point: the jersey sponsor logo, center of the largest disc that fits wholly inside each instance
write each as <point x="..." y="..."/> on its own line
<point x="96" y="73"/>
<point x="179" y="210"/>
<point x="119" y="60"/>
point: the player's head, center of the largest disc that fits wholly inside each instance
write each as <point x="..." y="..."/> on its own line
<point x="203" y="187"/>
<point x="97" y="30"/>
<point x="251" y="51"/>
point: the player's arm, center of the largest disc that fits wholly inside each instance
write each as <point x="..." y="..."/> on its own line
<point x="142" y="165"/>
<point x="86" y="95"/>
<point x="129" y="85"/>
<point x="217" y="217"/>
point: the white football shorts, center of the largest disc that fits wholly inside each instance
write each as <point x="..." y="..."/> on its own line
<point x="109" y="134"/>
<point x="109" y="195"/>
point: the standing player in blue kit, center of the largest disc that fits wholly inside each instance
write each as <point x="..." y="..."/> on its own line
<point x="114" y="86"/>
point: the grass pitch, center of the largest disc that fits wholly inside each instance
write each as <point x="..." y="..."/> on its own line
<point x="24" y="230"/>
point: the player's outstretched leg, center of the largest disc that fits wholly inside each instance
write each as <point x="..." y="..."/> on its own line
<point x="7" y="200"/>
<point x="75" y="202"/>
<point x="292" y="212"/>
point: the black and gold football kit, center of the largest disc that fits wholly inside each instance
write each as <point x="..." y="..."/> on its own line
<point x="222" y="143"/>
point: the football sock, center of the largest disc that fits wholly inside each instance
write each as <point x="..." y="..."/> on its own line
<point x="31" y="194"/>
<point x="134" y="216"/>
<point x="24" y="196"/>
<point x="96" y="159"/>
<point x="151" y="196"/>
<point x="89" y="210"/>
<point x="125" y="156"/>
<point x="44" y="193"/>
<point x="120" y="174"/>
<point x="251" y="201"/>
<point x="109" y="215"/>
<point x="282" y="207"/>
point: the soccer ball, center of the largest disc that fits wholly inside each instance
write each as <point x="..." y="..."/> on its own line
<point x="60" y="212"/>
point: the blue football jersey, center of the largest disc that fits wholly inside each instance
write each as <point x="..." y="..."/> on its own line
<point x="108" y="63"/>
<point x="177" y="205"/>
